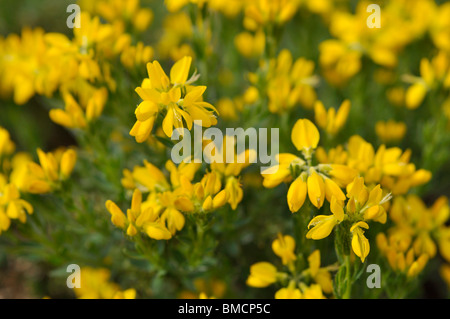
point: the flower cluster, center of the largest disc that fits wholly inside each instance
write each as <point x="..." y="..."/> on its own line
<point x="20" y="175"/>
<point x="136" y="144"/>
<point x="298" y="282"/>
<point x="182" y="102"/>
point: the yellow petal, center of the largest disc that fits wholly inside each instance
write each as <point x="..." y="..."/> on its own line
<point x="305" y="135"/>
<point x="320" y="114"/>
<point x="314" y="262"/>
<point x="316" y="189"/>
<point x="337" y="209"/>
<point x="360" y="243"/>
<point x="157" y="231"/>
<point x="323" y="225"/>
<point x="288" y="293"/>
<point x="68" y="161"/>
<point x="117" y="216"/>
<point x="332" y="189"/>
<point x="415" y="95"/>
<point x="262" y="274"/>
<point x="296" y="194"/>
<point x="284" y="247"/>
<point x="180" y="70"/>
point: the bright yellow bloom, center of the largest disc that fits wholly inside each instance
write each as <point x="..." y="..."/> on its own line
<point x="316" y="189"/>
<point x="170" y="200"/>
<point x="320" y="275"/>
<point x="95" y="284"/>
<point x="289" y="82"/>
<point x="297" y="192"/>
<point x="388" y="166"/>
<point x="182" y="102"/>
<point x="262" y="12"/>
<point x="120" y="12"/>
<point x="305" y="136"/>
<point x="135" y="56"/>
<point x="250" y="45"/>
<point x="140" y="217"/>
<point x="288" y="293"/>
<point x="363" y="205"/>
<point x="303" y="292"/>
<point x="324" y="224"/>
<point x="262" y="274"/>
<point x="55" y="167"/>
<point x="331" y="121"/>
<point x="25" y="67"/>
<point x="7" y="146"/>
<point x="76" y="116"/>
<point x="341" y="57"/>
<point x="390" y="131"/>
<point x="229" y="168"/>
<point x="439" y="28"/>
<point x="171" y="214"/>
<point x="399" y="257"/>
<point x="432" y="73"/>
<point x="339" y="60"/>
<point x="318" y="182"/>
<point x="422" y="227"/>
<point x="360" y="243"/>
<point x="11" y="205"/>
<point x="284" y="248"/>
<point x="312" y="292"/>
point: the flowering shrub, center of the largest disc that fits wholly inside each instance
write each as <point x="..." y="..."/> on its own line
<point x="131" y="146"/>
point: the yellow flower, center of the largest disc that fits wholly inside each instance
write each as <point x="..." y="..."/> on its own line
<point x="324" y="224"/>
<point x="12" y="206"/>
<point x="319" y="182"/>
<point x="297" y="192"/>
<point x="249" y="45"/>
<point x="312" y="292"/>
<point x="431" y="73"/>
<point x="363" y="205"/>
<point x="399" y="257"/>
<point x="388" y="166"/>
<point x="121" y="12"/>
<point x="305" y="136"/>
<point x="262" y="274"/>
<point x="262" y="12"/>
<point x="288" y="83"/>
<point x="137" y="55"/>
<point x="182" y="102"/>
<point x="76" y="116"/>
<point x="288" y="293"/>
<point x="229" y="168"/>
<point x="281" y="172"/>
<point x="171" y="216"/>
<point x="422" y="227"/>
<point x="331" y="121"/>
<point x="360" y="243"/>
<point x="117" y="216"/>
<point x="339" y="60"/>
<point x="7" y="146"/>
<point x="140" y="217"/>
<point x="55" y="167"/>
<point x="390" y="131"/>
<point x="95" y="284"/>
<point x="284" y="248"/>
<point x="316" y="189"/>
<point x="320" y="275"/>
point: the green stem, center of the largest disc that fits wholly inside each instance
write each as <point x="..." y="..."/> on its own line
<point x="348" y="278"/>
